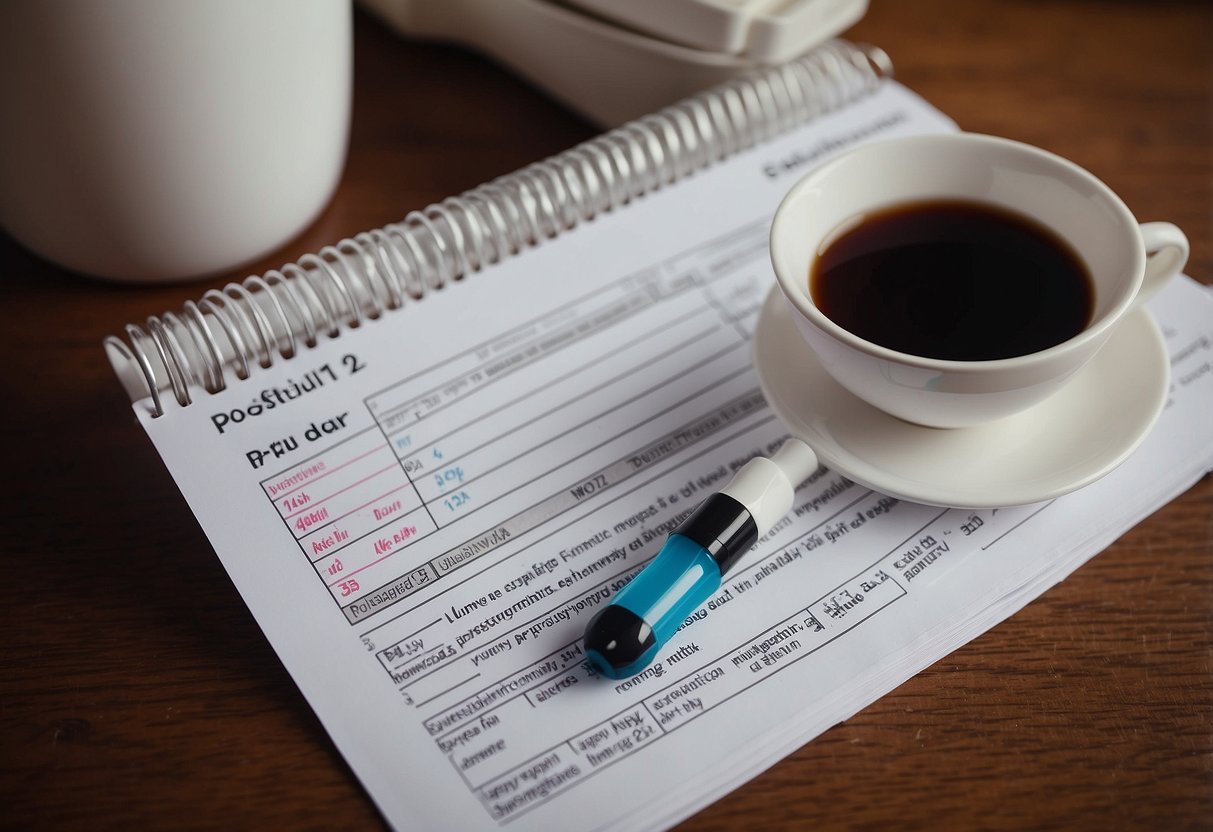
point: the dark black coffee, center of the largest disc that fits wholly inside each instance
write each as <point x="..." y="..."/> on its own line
<point x="953" y="280"/>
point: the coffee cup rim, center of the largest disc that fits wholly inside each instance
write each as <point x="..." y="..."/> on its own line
<point x="797" y="291"/>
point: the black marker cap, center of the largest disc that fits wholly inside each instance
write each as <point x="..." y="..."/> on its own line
<point x="724" y="527"/>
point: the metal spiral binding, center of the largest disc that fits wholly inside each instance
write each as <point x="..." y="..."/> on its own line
<point x="228" y="331"/>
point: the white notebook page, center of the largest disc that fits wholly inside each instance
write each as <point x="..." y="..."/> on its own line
<point x="424" y="513"/>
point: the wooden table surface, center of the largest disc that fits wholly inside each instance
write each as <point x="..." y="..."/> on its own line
<point x="137" y="690"/>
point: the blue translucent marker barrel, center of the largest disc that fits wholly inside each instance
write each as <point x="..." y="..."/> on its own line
<point x="626" y="634"/>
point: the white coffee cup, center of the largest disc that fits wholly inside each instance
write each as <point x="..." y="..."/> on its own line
<point x="1127" y="262"/>
<point x="154" y="140"/>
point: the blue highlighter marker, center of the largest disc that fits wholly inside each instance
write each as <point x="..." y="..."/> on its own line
<point x="626" y="634"/>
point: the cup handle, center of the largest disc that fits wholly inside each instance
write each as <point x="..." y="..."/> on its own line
<point x="1166" y="255"/>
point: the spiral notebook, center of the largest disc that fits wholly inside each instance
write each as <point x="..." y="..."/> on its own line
<point x="428" y="454"/>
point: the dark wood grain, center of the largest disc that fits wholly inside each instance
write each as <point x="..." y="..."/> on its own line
<point x="135" y="688"/>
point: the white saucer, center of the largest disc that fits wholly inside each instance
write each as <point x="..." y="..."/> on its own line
<point x="1063" y="443"/>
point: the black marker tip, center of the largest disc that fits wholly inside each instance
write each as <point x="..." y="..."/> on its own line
<point x="619" y="642"/>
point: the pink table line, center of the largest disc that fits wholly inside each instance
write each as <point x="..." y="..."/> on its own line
<point x="345" y="576"/>
<point x="328" y="471"/>
<point x="314" y="505"/>
<point x="354" y="511"/>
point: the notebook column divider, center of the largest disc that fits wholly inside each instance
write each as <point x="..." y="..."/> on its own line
<point x="228" y="332"/>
